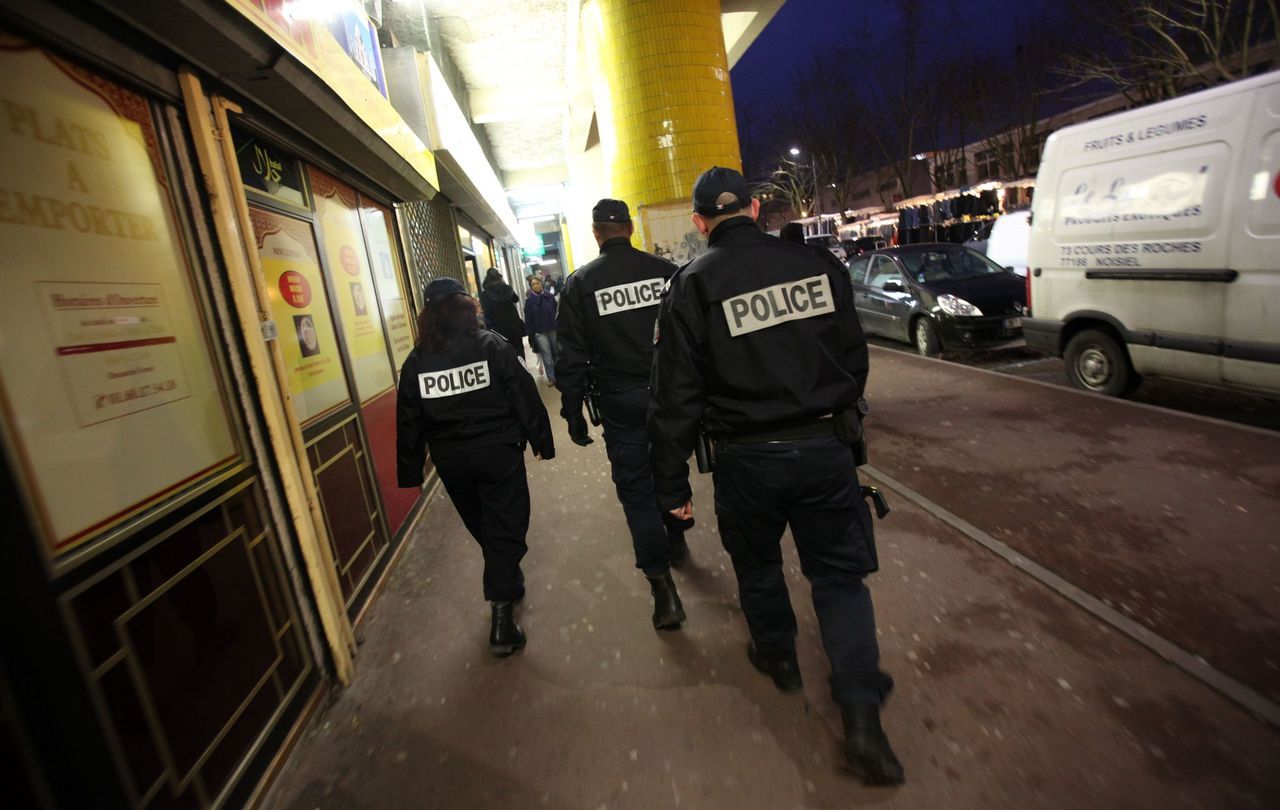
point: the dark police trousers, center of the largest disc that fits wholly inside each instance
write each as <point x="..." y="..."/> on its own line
<point x="489" y="489"/>
<point x="627" y="442"/>
<point x="811" y="484"/>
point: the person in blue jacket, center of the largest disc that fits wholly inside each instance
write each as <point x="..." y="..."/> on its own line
<point x="540" y="325"/>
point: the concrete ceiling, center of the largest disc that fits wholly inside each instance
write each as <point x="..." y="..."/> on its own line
<point x="511" y="55"/>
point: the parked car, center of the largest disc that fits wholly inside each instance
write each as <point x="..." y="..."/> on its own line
<point x="1010" y="240"/>
<point x="863" y="244"/>
<point x="828" y="241"/>
<point x="938" y="297"/>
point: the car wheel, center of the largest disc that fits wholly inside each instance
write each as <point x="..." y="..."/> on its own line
<point x="1097" y="362"/>
<point x="925" y="336"/>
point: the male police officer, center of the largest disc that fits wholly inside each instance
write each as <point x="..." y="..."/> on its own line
<point x="758" y="345"/>
<point x="605" y="331"/>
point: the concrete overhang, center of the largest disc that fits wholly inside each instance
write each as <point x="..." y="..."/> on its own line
<point x="512" y="102"/>
<point x="742" y="21"/>
<point x="418" y="91"/>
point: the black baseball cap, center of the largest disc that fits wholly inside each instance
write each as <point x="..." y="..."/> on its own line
<point x="442" y="288"/>
<point x="610" y="211"/>
<point x="720" y="191"/>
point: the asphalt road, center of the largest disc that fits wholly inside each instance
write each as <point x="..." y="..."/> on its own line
<point x="1229" y="406"/>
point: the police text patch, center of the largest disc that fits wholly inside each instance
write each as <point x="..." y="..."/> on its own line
<point x="453" y="381"/>
<point x="792" y="301"/>
<point x="612" y="300"/>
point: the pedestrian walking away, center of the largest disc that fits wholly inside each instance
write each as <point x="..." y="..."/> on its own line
<point x="540" y="324"/>
<point x="465" y="398"/>
<point x="605" y="332"/>
<point x="758" y="346"/>
<point x="499" y="303"/>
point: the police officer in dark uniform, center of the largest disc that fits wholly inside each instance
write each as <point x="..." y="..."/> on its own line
<point x="464" y="395"/>
<point x="759" y="346"/>
<point x="605" y="331"/>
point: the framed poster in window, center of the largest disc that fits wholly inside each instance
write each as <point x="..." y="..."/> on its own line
<point x="107" y="379"/>
<point x="352" y="284"/>
<point x="388" y="280"/>
<point x="300" y="308"/>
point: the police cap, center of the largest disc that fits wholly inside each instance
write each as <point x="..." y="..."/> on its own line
<point x="610" y="211"/>
<point x="720" y="191"/>
<point x="441" y="288"/>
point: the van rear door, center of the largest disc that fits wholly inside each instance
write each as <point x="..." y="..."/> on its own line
<point x="1251" y="336"/>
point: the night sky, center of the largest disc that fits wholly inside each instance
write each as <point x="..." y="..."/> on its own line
<point x="802" y="27"/>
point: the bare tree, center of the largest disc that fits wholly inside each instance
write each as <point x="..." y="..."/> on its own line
<point x="887" y="74"/>
<point x="1152" y="50"/>
<point x="1007" y="105"/>
<point x="792" y="183"/>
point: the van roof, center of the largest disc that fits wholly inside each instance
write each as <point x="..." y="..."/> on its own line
<point x="1231" y="88"/>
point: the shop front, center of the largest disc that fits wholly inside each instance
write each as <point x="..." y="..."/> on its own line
<point x="203" y="311"/>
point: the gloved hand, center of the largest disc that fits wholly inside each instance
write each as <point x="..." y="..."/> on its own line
<point x="578" y="429"/>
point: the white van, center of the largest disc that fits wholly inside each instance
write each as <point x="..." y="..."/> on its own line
<point x="1155" y="246"/>
<point x="1010" y="240"/>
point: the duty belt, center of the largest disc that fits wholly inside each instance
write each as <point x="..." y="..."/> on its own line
<point x="811" y="429"/>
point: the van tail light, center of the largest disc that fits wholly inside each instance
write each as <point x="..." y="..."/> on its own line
<point x="1028" y="291"/>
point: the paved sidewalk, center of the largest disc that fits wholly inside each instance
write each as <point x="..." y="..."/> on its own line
<point x="1008" y="695"/>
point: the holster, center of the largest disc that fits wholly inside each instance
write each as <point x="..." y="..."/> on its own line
<point x="849" y="431"/>
<point x="593" y="403"/>
<point x="704" y="451"/>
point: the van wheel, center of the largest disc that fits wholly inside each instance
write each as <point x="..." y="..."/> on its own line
<point x="926" y="337"/>
<point x="1097" y="362"/>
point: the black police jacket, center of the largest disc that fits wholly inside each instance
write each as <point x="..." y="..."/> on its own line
<point x="473" y="394"/>
<point x="605" y="323"/>
<point x="754" y="335"/>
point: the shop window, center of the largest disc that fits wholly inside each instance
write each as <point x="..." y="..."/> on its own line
<point x="110" y="389"/>
<point x="388" y="280"/>
<point x="337" y="212"/>
<point x="329" y="309"/>
<point x="300" y="307"/>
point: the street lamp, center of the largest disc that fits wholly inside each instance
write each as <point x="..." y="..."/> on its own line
<point x="817" y="191"/>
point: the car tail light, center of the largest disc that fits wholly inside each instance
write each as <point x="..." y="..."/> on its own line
<point x="1028" y="301"/>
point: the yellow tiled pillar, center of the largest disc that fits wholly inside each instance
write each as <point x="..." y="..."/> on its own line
<point x="669" y="108"/>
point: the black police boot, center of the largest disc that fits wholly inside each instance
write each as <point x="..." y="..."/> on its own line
<point x="668" y="612"/>
<point x="785" y="672"/>
<point x="679" y="548"/>
<point x="866" y="748"/>
<point x="505" y="636"/>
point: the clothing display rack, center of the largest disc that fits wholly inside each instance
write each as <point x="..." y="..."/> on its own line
<point x="964" y="215"/>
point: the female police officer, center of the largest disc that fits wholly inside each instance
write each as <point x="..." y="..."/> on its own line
<point x="464" y="394"/>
